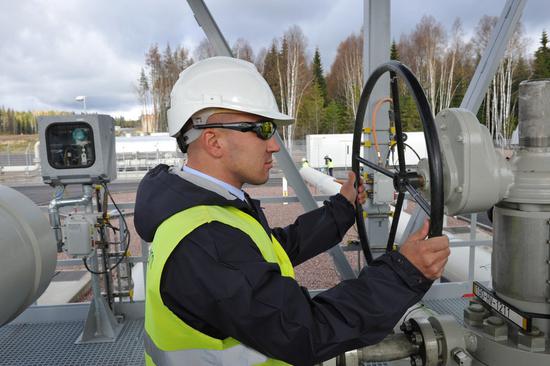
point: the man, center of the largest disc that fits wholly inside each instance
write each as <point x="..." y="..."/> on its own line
<point x="329" y="165"/>
<point x="220" y="287"/>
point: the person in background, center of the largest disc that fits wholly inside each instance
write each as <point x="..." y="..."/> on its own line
<point x="220" y="286"/>
<point x="305" y="163"/>
<point x="329" y="166"/>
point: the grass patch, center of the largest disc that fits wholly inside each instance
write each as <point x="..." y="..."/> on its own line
<point x="17" y="143"/>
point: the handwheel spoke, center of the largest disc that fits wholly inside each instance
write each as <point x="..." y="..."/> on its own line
<point x="418" y="198"/>
<point x="398" y="126"/>
<point x="376" y="167"/>
<point x="395" y="221"/>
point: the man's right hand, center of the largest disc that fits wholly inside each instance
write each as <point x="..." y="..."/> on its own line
<point x="429" y="256"/>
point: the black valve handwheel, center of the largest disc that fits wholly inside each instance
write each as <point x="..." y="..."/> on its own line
<point x="403" y="180"/>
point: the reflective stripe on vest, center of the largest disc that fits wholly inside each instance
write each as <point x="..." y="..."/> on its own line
<point x="234" y="356"/>
<point x="169" y="340"/>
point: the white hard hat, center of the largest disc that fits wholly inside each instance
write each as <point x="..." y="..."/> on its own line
<point x="221" y="82"/>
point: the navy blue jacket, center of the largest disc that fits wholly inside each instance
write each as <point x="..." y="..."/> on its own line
<point x="217" y="281"/>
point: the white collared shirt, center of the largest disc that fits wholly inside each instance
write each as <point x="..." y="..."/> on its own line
<point x="232" y="189"/>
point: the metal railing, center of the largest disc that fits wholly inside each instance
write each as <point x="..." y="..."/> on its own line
<point x="472" y="243"/>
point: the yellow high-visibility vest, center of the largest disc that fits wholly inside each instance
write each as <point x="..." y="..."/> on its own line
<point x="169" y="340"/>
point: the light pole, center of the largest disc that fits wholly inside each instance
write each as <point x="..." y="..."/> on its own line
<point x="82" y="98"/>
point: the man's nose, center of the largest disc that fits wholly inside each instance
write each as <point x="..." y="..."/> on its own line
<point x="272" y="145"/>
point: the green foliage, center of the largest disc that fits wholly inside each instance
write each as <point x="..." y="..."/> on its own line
<point x="336" y="119"/>
<point x="410" y="118"/>
<point x="541" y="63"/>
<point x="123" y="123"/>
<point x="271" y="72"/>
<point x="394" y="52"/>
<point x="318" y="76"/>
<point x="311" y="112"/>
<point x="17" y="123"/>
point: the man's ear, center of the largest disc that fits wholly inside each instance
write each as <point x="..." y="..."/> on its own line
<point x="212" y="141"/>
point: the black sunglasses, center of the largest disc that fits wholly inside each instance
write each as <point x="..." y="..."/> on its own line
<point x="263" y="129"/>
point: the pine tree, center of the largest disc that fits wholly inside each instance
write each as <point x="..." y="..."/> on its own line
<point x="270" y="71"/>
<point x="541" y="64"/>
<point x="318" y="75"/>
<point x="394" y="53"/>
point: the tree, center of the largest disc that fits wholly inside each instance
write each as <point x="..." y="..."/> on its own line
<point x="144" y="93"/>
<point x="541" y="63"/>
<point x="501" y="99"/>
<point x="163" y="72"/>
<point x="204" y="50"/>
<point x="295" y="79"/>
<point x="311" y="111"/>
<point x="243" y="50"/>
<point x="394" y="53"/>
<point x="345" y="80"/>
<point x="271" y="71"/>
<point x="422" y="50"/>
<point x="318" y="75"/>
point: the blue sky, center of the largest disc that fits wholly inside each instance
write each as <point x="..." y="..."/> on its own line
<point x="51" y="51"/>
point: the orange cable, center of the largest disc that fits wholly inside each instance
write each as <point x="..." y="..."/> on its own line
<point x="375" y="110"/>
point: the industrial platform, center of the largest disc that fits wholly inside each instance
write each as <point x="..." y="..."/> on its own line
<point x="53" y="343"/>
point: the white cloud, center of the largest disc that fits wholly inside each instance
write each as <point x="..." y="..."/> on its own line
<point x="52" y="51"/>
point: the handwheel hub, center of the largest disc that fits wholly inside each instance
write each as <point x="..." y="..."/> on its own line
<point x="400" y="181"/>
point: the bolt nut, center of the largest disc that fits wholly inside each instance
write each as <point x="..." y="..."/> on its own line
<point x="476" y="307"/>
<point x="406" y="326"/>
<point x="474" y="315"/>
<point x="417" y="338"/>
<point x="532" y="342"/>
<point x="495" y="328"/>
<point x="495" y="320"/>
<point x="416" y="360"/>
<point x="471" y="342"/>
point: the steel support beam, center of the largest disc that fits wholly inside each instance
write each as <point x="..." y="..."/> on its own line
<point x="376" y="51"/>
<point x="216" y="38"/>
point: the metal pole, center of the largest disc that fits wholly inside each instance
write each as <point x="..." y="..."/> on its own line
<point x="472" y="257"/>
<point x="376" y="51"/>
<point x="210" y="28"/>
<point x="216" y="38"/>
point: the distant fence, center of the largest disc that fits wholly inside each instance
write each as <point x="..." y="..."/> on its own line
<point x="126" y="161"/>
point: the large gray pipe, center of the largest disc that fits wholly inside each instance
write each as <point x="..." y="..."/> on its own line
<point x="521" y="250"/>
<point x="27" y="253"/>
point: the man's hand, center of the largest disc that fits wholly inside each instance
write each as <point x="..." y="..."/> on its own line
<point x="348" y="190"/>
<point x="429" y="256"/>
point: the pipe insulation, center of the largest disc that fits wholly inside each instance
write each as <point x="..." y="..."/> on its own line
<point x="28" y="253"/>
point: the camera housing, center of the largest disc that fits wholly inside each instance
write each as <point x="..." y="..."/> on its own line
<point x="77" y="149"/>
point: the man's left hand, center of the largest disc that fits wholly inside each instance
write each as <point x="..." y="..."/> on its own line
<point x="348" y="189"/>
